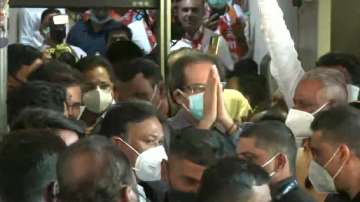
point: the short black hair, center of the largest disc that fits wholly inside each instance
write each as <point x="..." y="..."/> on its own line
<point x="255" y="88"/>
<point x="246" y="66"/>
<point x="28" y="164"/>
<point x="203" y="147"/>
<point x="119" y="28"/>
<point x="105" y="171"/>
<point x="176" y="77"/>
<point x="340" y="125"/>
<point x="118" y="117"/>
<point x="39" y="118"/>
<point x="36" y="94"/>
<point x="349" y="61"/>
<point x="231" y="179"/>
<point x="272" y="114"/>
<point x="19" y="55"/>
<point x="122" y="51"/>
<point x="274" y="137"/>
<point x="57" y="72"/>
<point x="48" y="12"/>
<point x="91" y="62"/>
<point x="148" y="68"/>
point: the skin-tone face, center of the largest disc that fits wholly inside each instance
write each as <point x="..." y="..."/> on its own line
<point x="73" y="101"/>
<point x="68" y="136"/>
<point x="98" y="75"/>
<point x="190" y="14"/>
<point x="137" y="88"/>
<point x="261" y="194"/>
<point x="247" y="150"/>
<point x="275" y="164"/>
<point x="323" y="150"/>
<point x="194" y="74"/>
<point x="308" y="96"/>
<point x="146" y="134"/>
<point x="23" y="73"/>
<point x="117" y="36"/>
<point x="184" y="175"/>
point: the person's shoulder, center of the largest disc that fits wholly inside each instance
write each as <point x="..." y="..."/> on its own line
<point x="338" y="198"/>
<point x="80" y="25"/>
<point x="298" y="195"/>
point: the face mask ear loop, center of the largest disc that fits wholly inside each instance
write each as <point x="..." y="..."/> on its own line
<point x="332" y="158"/>
<point x="154" y="93"/>
<point x="132" y="148"/>
<point x="182" y="104"/>
<point x="339" y="171"/>
<point x="320" y="109"/>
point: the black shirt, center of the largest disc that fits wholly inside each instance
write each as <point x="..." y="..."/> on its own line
<point x="342" y="198"/>
<point x="288" y="190"/>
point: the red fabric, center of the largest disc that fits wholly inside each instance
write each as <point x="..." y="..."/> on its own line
<point x="151" y="36"/>
<point x="124" y="19"/>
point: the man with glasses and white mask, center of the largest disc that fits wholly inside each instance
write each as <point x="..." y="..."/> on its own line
<point x="335" y="145"/>
<point x="271" y="145"/>
<point x="196" y="88"/>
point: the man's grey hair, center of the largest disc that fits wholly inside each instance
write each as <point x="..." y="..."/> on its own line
<point x="334" y="83"/>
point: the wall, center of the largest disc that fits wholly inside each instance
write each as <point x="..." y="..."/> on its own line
<point x="345" y="26"/>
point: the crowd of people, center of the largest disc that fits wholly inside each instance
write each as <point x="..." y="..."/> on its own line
<point x="91" y="118"/>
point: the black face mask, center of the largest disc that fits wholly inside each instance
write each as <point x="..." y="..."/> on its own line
<point x="178" y="196"/>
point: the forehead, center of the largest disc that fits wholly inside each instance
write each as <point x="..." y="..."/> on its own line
<point x="148" y="127"/>
<point x="248" y="145"/>
<point x="308" y="88"/>
<point x="317" y="141"/>
<point x="190" y="3"/>
<point x="98" y="73"/>
<point x="183" y="167"/>
<point x="308" y="93"/>
<point x="197" y="73"/>
<point x="139" y="87"/>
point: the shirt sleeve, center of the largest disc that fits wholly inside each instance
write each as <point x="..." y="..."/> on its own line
<point x="285" y="66"/>
<point x="28" y="30"/>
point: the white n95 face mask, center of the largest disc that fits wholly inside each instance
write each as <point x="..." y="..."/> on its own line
<point x="98" y="100"/>
<point x="299" y="123"/>
<point x="148" y="164"/>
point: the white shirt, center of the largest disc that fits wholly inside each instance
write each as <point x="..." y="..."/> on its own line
<point x="139" y="36"/>
<point x="223" y="53"/>
<point x="285" y="66"/>
<point x="78" y="52"/>
<point x="254" y="35"/>
<point x="29" y="24"/>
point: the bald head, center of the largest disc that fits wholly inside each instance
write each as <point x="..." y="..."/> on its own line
<point x="94" y="169"/>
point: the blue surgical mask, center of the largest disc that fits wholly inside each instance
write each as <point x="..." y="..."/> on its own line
<point x="219" y="4"/>
<point x="196" y="105"/>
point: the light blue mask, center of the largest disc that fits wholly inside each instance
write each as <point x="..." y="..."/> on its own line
<point x="219" y="4"/>
<point x="196" y="105"/>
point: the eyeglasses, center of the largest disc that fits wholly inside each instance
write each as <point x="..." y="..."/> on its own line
<point x="198" y="88"/>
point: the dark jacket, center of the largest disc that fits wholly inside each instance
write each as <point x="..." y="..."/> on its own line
<point x="288" y="190"/>
<point x="342" y="198"/>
